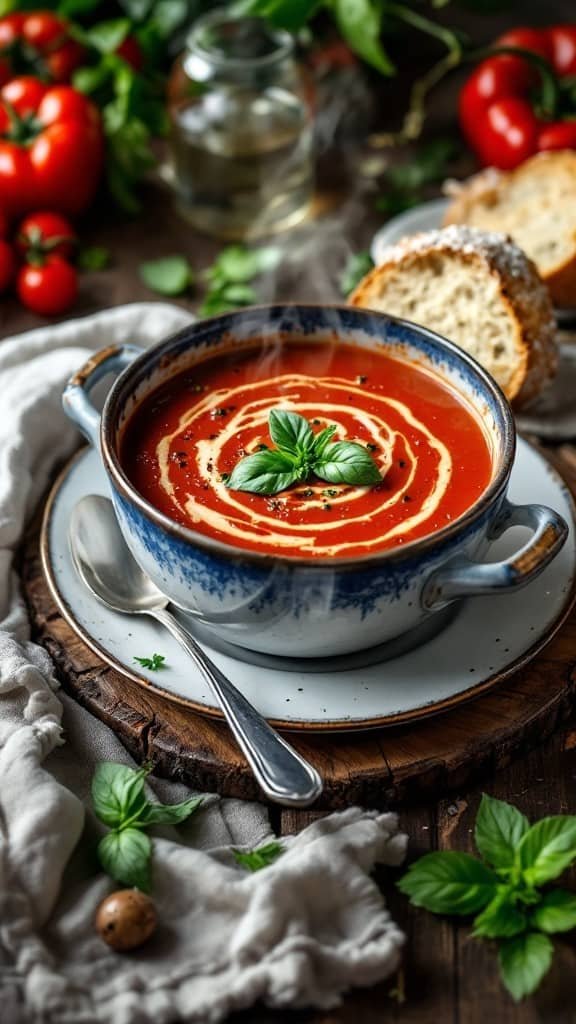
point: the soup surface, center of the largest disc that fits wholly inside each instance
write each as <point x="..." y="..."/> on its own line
<point x="431" y="449"/>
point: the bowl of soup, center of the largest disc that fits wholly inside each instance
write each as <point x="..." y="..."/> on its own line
<point x="311" y="481"/>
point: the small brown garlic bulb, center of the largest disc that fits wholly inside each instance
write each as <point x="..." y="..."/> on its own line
<point x="126" y="919"/>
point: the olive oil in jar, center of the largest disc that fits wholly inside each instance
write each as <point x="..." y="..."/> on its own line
<point x="241" y="132"/>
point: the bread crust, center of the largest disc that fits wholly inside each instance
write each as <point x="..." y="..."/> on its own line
<point x="519" y="287"/>
<point x="486" y="190"/>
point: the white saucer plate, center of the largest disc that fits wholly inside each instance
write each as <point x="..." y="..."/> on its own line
<point x="426" y="217"/>
<point x="487" y="640"/>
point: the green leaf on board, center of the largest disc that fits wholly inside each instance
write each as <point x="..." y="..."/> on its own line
<point x="499" y="829"/>
<point x="449" y="882"/>
<point x="524" y="960"/>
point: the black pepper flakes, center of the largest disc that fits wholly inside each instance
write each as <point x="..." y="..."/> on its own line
<point x="406" y="497"/>
<point x="372" y="447"/>
<point x="361" y="378"/>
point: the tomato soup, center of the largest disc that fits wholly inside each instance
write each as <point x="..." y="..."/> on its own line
<point x="185" y="438"/>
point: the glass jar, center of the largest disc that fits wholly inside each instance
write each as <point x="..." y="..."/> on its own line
<point x="240" y="128"/>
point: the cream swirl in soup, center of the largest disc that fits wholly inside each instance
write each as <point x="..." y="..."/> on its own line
<point x="185" y="439"/>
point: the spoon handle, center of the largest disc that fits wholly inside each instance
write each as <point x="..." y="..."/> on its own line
<point x="283" y="775"/>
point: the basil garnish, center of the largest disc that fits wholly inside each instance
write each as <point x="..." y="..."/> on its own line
<point x="300" y="454"/>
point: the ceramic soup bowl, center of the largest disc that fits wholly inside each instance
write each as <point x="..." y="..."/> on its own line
<point x="282" y="603"/>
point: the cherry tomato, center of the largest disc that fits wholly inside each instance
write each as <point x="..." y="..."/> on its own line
<point x="7" y="265"/>
<point x="51" y="156"/>
<point x="39" y="231"/>
<point x="48" y="290"/>
<point x="557" y="135"/>
<point x="500" y="103"/>
<point x="533" y="39"/>
<point x="563" y="46"/>
<point x="510" y="133"/>
<point x="3" y="224"/>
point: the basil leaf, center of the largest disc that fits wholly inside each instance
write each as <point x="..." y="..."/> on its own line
<point x="170" y="15"/>
<point x="90" y="79"/>
<point x="501" y="918"/>
<point x="290" y="431"/>
<point x="289" y="14"/>
<point x="547" y="848"/>
<point x="237" y="265"/>
<point x="449" y="883"/>
<point x="345" y="462"/>
<point x="265" y="472"/>
<point x="95" y="257"/>
<point x="107" y="36"/>
<point x="169" y="814"/>
<point x="499" y="829"/>
<point x="125" y="856"/>
<point x="358" y="265"/>
<point x="321" y="441"/>
<point x="255" y="860"/>
<point x="524" y="961"/>
<point x="118" y="792"/>
<point x="556" y="911"/>
<point x="238" y="294"/>
<point x="360" y="22"/>
<point x="169" y="276"/>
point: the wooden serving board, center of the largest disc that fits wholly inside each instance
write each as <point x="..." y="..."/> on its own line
<point x="376" y="768"/>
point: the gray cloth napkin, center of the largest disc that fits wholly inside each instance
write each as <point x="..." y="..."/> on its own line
<point x="297" y="933"/>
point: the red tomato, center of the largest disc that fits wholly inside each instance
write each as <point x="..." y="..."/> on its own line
<point x="557" y="135"/>
<point x="54" y="159"/>
<point x="38" y="42"/>
<point x="499" y="101"/>
<point x="533" y="39"/>
<point x="563" y="45"/>
<point x="48" y="290"/>
<point x="130" y="51"/>
<point x="510" y="133"/>
<point x="40" y="231"/>
<point x="7" y="265"/>
<point x="24" y="94"/>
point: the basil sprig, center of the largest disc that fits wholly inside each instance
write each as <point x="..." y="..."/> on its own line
<point x="503" y="889"/>
<point x="261" y="857"/>
<point x="299" y="455"/>
<point x="120" y="802"/>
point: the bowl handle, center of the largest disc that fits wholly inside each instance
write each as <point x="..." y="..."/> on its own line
<point x="462" y="577"/>
<point x="76" y="396"/>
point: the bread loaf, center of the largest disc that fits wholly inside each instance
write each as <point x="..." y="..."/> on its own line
<point x="536" y="205"/>
<point x="479" y="290"/>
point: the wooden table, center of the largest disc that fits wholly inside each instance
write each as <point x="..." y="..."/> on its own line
<point x="447" y="977"/>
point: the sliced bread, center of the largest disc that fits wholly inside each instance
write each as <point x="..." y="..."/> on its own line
<point x="536" y="205"/>
<point x="479" y="290"/>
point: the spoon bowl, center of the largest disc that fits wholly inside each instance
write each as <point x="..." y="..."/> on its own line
<point x="107" y="567"/>
<point x="105" y="563"/>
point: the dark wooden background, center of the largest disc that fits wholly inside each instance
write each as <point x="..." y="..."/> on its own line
<point x="448" y="977"/>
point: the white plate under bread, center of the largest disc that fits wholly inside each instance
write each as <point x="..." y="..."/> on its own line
<point x="426" y="217"/>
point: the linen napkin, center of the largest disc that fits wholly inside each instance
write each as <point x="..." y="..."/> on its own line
<point x="298" y="933"/>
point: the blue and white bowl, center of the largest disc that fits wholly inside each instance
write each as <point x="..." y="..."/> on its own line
<point x="285" y="604"/>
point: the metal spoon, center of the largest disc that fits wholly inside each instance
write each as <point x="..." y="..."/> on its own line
<point x="107" y="567"/>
